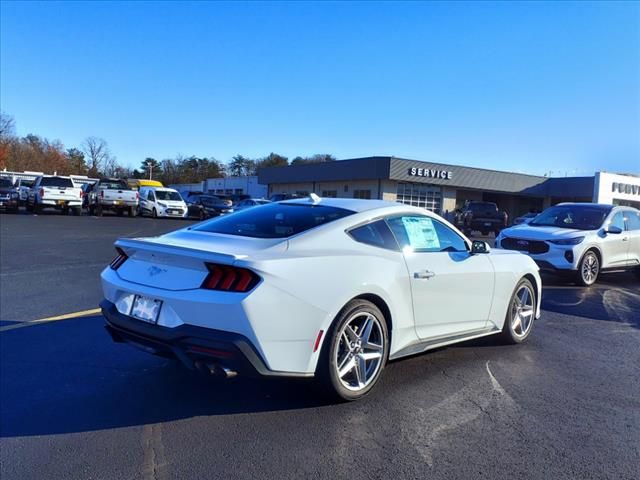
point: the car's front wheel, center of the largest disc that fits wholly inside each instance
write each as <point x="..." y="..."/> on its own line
<point x="354" y="352"/>
<point x="521" y="313"/>
<point x="588" y="269"/>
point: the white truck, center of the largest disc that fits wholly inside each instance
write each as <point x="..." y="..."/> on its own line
<point x="113" y="194"/>
<point x="53" y="191"/>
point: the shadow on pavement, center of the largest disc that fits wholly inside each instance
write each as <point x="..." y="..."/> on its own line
<point x="615" y="298"/>
<point x="69" y="377"/>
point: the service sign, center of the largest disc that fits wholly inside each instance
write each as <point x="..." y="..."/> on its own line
<point x="430" y="173"/>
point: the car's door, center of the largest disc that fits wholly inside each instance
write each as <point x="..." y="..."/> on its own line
<point x="615" y="246"/>
<point x="452" y="290"/>
<point x="632" y="218"/>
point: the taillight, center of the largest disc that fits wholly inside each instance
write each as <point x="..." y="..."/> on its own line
<point x="137" y="196"/>
<point x="101" y="193"/>
<point x="42" y="192"/>
<point x="229" y="279"/>
<point x="117" y="262"/>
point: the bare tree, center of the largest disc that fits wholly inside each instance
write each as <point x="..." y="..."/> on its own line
<point x="7" y="126"/>
<point x="97" y="155"/>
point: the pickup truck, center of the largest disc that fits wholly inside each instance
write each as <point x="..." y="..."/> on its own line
<point x="52" y="191"/>
<point x="115" y="195"/>
<point x="483" y="217"/>
<point x="9" y="197"/>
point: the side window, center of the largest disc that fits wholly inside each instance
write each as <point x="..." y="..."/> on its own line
<point x="424" y="234"/>
<point x="633" y="220"/>
<point x="150" y="196"/>
<point x="376" y="234"/>
<point x="618" y="220"/>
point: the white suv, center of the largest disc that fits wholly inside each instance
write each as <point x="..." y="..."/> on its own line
<point x="579" y="238"/>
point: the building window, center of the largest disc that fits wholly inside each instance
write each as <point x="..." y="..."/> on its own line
<point x="420" y="195"/>
<point x="302" y="193"/>
<point x="364" y="194"/>
<point x="238" y="191"/>
<point x="219" y="191"/>
<point x="330" y="193"/>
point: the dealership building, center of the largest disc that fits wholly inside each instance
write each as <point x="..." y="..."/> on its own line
<point x="440" y="187"/>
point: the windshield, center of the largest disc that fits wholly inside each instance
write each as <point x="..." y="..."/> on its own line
<point x="276" y="220"/>
<point x="580" y="217"/>
<point x="61" y="182"/>
<point x="168" y="195"/>
<point x="5" y="183"/>
<point x="114" y="185"/>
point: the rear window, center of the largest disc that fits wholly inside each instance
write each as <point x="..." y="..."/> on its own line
<point x="5" y="183"/>
<point x="56" y="182"/>
<point x="115" y="185"/>
<point x="482" y="206"/>
<point x="275" y="220"/>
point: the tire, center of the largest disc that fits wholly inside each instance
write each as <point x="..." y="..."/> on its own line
<point x="119" y="212"/>
<point x="29" y="208"/>
<point x="77" y="211"/>
<point x="92" y="210"/>
<point x="132" y="211"/>
<point x="65" y="211"/>
<point x="154" y="213"/>
<point x="37" y="209"/>
<point x="99" y="211"/>
<point x="341" y="349"/>
<point x="588" y="269"/>
<point x="520" y="316"/>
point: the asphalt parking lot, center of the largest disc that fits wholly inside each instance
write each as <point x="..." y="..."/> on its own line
<point x="75" y="405"/>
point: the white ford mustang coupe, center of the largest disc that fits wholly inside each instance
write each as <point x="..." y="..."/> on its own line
<point x="311" y="287"/>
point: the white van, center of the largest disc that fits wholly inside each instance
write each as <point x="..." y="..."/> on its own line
<point x="161" y="202"/>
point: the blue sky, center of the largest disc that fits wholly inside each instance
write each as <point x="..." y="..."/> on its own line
<point x="532" y="87"/>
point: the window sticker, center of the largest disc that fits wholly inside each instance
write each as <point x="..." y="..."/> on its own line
<point x="421" y="233"/>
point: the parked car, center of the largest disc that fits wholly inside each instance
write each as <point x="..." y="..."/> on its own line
<point x="580" y="239"/>
<point x="207" y="206"/>
<point x="24" y="185"/>
<point x="162" y="202"/>
<point x="53" y="191"/>
<point x="279" y="197"/>
<point x="526" y="218"/>
<point x="483" y="217"/>
<point x="324" y="288"/>
<point x="87" y="188"/>
<point x="9" y="196"/>
<point x="249" y="203"/>
<point x="191" y="197"/>
<point x="113" y="194"/>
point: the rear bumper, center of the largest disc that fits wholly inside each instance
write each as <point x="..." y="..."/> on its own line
<point x="190" y="344"/>
<point x="60" y="203"/>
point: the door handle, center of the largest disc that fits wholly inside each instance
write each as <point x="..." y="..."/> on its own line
<point x="624" y="239"/>
<point x="424" y="274"/>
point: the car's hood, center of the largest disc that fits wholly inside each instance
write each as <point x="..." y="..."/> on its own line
<point x="530" y="232"/>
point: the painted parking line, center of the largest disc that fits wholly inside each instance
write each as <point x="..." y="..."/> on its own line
<point x="66" y="316"/>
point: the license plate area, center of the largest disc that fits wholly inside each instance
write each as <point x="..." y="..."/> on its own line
<point x="146" y="309"/>
<point x="61" y="202"/>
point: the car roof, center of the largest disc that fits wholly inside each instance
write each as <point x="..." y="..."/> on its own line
<point x="353" y="204"/>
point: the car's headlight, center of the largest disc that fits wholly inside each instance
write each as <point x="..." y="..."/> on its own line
<point x="568" y="241"/>
<point x="163" y="205"/>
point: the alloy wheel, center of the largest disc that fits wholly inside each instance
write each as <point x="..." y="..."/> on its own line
<point x="360" y="351"/>
<point x="590" y="268"/>
<point x="522" y="311"/>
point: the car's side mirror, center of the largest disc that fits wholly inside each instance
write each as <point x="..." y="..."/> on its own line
<point x="478" y="246"/>
<point x="613" y="229"/>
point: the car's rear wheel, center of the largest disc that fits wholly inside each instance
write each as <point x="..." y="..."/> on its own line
<point x="154" y="213"/>
<point x="132" y="211"/>
<point x="520" y="314"/>
<point x="354" y="352"/>
<point x="588" y="269"/>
